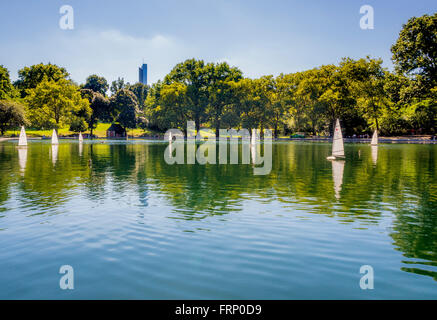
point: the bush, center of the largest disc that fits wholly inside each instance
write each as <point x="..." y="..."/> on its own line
<point x="78" y="125"/>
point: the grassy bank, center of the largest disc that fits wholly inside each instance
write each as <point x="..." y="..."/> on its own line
<point x="100" y="132"/>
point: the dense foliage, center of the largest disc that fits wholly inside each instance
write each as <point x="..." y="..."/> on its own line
<point x="363" y="94"/>
<point x="12" y="115"/>
<point x="96" y="84"/>
<point x="53" y="104"/>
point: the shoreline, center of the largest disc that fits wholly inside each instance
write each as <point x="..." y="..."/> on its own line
<point x="414" y="140"/>
<point x="386" y="140"/>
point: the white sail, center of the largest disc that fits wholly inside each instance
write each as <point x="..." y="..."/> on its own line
<point x="337" y="144"/>
<point x="374" y="141"/>
<point x="54" y="137"/>
<point x="170" y="137"/>
<point x="80" y="137"/>
<point x="337" y="176"/>
<point x="23" y="139"/>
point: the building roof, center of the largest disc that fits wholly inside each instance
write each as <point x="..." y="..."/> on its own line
<point x="117" y="128"/>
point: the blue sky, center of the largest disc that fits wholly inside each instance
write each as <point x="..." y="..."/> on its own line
<point x="111" y="38"/>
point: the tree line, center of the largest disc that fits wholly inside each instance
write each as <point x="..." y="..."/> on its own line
<point x="361" y="92"/>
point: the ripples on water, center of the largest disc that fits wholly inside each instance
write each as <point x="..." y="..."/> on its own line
<point x="134" y="227"/>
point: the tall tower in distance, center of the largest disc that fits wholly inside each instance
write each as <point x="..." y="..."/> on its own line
<point x="142" y="72"/>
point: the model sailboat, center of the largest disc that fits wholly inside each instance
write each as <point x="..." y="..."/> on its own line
<point x="54" y="137"/>
<point x="374" y="141"/>
<point x="22" y="142"/>
<point x="337" y="144"/>
<point x="80" y="137"/>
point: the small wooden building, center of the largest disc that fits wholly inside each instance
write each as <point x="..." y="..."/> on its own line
<point x="116" y="131"/>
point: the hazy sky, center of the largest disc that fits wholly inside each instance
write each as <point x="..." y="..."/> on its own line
<point x="111" y="38"/>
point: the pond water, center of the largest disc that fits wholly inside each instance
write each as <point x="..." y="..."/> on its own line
<point x="134" y="227"/>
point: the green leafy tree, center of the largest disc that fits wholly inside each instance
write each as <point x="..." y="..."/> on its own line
<point x="140" y="91"/>
<point x="415" y="56"/>
<point x="78" y="124"/>
<point x="174" y="105"/>
<point x="96" y="84"/>
<point x="221" y="94"/>
<point x="100" y="108"/>
<point x="55" y="104"/>
<point x="252" y="103"/>
<point x="7" y="90"/>
<point x="125" y="106"/>
<point x="415" y="51"/>
<point x="337" y="96"/>
<point x="195" y="75"/>
<point x="231" y="111"/>
<point x="367" y="78"/>
<point x="118" y="85"/>
<point x="422" y="112"/>
<point x="303" y="92"/>
<point x="12" y="115"/>
<point x="166" y="106"/>
<point x="30" y="77"/>
<point x="152" y="106"/>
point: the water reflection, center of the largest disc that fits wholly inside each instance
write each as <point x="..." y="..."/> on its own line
<point x="403" y="186"/>
<point x="55" y="151"/>
<point x="254" y="150"/>
<point x="374" y="150"/>
<point x="337" y="176"/>
<point x="22" y="158"/>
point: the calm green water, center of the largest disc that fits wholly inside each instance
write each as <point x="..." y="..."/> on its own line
<point x="133" y="226"/>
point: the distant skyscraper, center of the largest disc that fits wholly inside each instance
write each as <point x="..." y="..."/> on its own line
<point x="143" y="74"/>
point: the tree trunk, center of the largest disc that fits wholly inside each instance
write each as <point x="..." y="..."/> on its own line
<point x="376" y="118"/>
<point x="332" y="129"/>
<point x="217" y="128"/>
<point x="276" y="130"/>
<point x="197" y="125"/>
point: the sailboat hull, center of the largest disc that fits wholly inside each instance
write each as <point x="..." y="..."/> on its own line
<point x="335" y="158"/>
